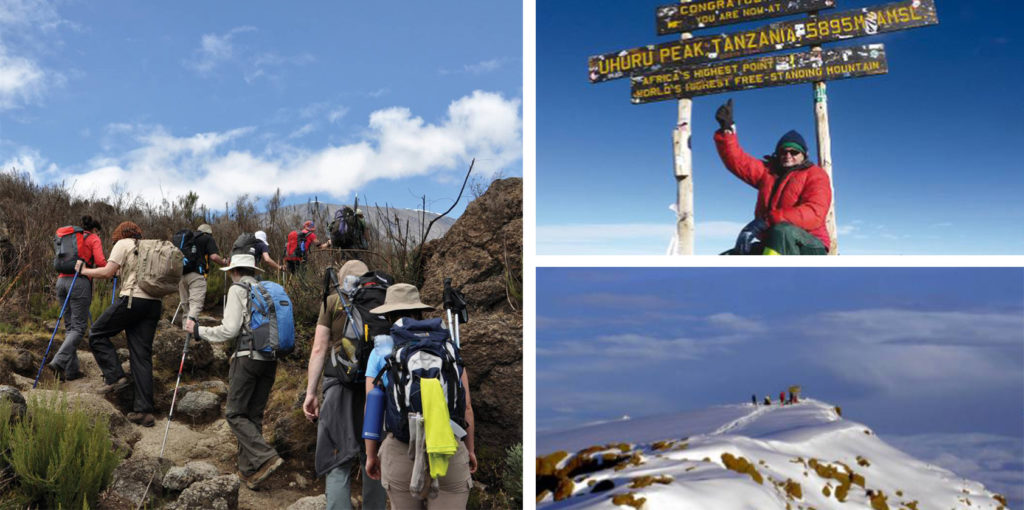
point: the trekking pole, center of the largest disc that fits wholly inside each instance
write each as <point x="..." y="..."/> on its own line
<point x="113" y="291"/>
<point x="455" y="305"/>
<point x="55" y="328"/>
<point x="447" y="308"/>
<point x="170" y="413"/>
<point x="176" y="310"/>
<point x="341" y="296"/>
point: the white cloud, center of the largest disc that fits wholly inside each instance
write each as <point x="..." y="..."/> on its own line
<point x="397" y="144"/>
<point x="735" y="323"/>
<point x="27" y="30"/>
<point x="29" y="161"/>
<point x="336" y="114"/>
<point x="215" y="49"/>
<point x="263" y="65"/>
<point x="481" y="67"/>
<point x="302" y="131"/>
<point x="629" y="238"/>
<point x="21" y="80"/>
<point x="906" y="352"/>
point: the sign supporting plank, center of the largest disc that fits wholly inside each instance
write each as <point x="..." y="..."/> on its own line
<point x="689" y="15"/>
<point x="771" y="71"/>
<point x="776" y="36"/>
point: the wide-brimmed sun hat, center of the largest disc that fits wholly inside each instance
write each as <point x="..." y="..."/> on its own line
<point x="242" y="260"/>
<point x="401" y="297"/>
<point x="352" y="268"/>
<point x="205" y="227"/>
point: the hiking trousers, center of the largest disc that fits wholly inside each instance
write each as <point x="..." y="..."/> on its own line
<point x="76" y="317"/>
<point x="139" y="325"/>
<point x="338" y="484"/>
<point x="192" y="291"/>
<point x="789" y="239"/>
<point x="396" y="472"/>
<point x="249" y="383"/>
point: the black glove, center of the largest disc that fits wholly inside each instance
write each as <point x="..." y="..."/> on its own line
<point x="724" y="115"/>
<point x="748" y="236"/>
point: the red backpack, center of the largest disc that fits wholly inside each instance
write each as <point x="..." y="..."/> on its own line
<point x="295" y="248"/>
<point x="69" y="246"/>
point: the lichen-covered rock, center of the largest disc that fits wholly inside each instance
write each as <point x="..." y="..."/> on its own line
<point x="220" y="493"/>
<point x="180" y="477"/>
<point x="18" y="404"/>
<point x="199" y="405"/>
<point x="133" y="475"/>
<point x="310" y="503"/>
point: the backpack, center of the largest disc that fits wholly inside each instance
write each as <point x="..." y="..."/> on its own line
<point x="245" y="244"/>
<point x="343" y="227"/>
<point x="68" y="245"/>
<point x="268" y="326"/>
<point x="423" y="349"/>
<point x="158" y="265"/>
<point x="295" y="249"/>
<point x="193" y="262"/>
<point x="348" y="363"/>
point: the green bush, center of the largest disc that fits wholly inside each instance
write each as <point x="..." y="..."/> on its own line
<point x="60" y="455"/>
<point x="512" y="478"/>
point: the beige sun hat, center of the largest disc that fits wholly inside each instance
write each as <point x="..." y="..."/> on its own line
<point x="205" y="227"/>
<point x="401" y="297"/>
<point x="352" y="268"/>
<point x="242" y="260"/>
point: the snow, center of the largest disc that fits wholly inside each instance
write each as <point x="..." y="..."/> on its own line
<point x="779" y="441"/>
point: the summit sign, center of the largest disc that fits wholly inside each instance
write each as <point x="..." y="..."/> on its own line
<point x="687" y="15"/>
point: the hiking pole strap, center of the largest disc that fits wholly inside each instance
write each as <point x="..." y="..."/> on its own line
<point x="341" y="296"/>
<point x="56" y="327"/>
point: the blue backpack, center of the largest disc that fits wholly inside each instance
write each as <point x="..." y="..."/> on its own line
<point x="270" y="327"/>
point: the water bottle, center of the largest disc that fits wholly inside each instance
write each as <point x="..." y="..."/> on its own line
<point x="374" y="419"/>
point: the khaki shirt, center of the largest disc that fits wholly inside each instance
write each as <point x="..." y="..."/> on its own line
<point x="124" y="255"/>
<point x="234" y="314"/>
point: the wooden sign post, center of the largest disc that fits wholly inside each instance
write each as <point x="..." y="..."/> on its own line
<point x="696" y="66"/>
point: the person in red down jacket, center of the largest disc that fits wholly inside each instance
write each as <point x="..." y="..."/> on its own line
<point x="793" y="194"/>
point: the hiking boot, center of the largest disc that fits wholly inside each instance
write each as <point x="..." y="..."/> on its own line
<point x="58" y="372"/>
<point x="117" y="386"/>
<point x="144" y="419"/>
<point x="264" y="472"/>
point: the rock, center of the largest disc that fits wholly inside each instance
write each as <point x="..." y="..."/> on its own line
<point x="480" y="249"/>
<point x="310" y="503"/>
<point x="122" y="354"/>
<point x="199" y="405"/>
<point x="26" y="363"/>
<point x="215" y="386"/>
<point x="133" y="475"/>
<point x="293" y="434"/>
<point x="300" y="480"/>
<point x="168" y="344"/>
<point x="19" y="406"/>
<point x="180" y="477"/>
<point x="220" y="493"/>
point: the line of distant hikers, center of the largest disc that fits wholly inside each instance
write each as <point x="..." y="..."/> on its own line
<point x="794" y="398"/>
<point x="395" y="399"/>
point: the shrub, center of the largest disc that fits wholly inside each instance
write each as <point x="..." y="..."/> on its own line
<point x="60" y="455"/>
<point x="512" y="479"/>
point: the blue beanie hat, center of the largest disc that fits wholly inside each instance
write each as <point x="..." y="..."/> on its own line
<point x="792" y="139"/>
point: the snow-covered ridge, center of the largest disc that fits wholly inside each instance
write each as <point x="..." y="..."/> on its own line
<point x="743" y="457"/>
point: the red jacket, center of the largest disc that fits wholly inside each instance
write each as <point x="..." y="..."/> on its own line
<point x="802" y="198"/>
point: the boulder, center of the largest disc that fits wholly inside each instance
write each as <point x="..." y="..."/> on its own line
<point x="18" y="404"/>
<point x="168" y="344"/>
<point x="220" y="493"/>
<point x="201" y="406"/>
<point x="179" y="478"/>
<point x="25" y="363"/>
<point x="133" y="475"/>
<point x="310" y="503"/>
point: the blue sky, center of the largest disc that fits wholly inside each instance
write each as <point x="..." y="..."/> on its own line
<point x="319" y="98"/>
<point x="932" y="358"/>
<point x="926" y="158"/>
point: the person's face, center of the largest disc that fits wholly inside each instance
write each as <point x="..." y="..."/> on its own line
<point x="790" y="157"/>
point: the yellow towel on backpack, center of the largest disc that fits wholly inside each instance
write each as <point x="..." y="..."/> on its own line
<point x="441" y="442"/>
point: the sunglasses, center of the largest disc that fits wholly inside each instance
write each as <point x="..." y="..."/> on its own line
<point x="790" y="152"/>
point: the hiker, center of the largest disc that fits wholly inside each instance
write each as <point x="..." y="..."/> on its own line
<point x="64" y="364"/>
<point x="298" y="245"/>
<point x="256" y="246"/>
<point x="136" y="313"/>
<point x="348" y="232"/>
<point x="767" y="400"/>
<point x="391" y="462"/>
<point x="794" y="195"/>
<point x="340" y="424"/>
<point x="199" y="248"/>
<point x="250" y="376"/>
<point x="753" y="400"/>
<point x="782" y="398"/>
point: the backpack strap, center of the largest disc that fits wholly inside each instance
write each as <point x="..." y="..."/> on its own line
<point x="138" y="265"/>
<point x="246" y="331"/>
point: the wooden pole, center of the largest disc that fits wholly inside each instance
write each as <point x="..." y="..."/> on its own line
<point x="683" y="157"/>
<point x="825" y="152"/>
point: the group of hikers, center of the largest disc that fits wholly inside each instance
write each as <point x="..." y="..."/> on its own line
<point x="794" y="398"/>
<point x="377" y="355"/>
